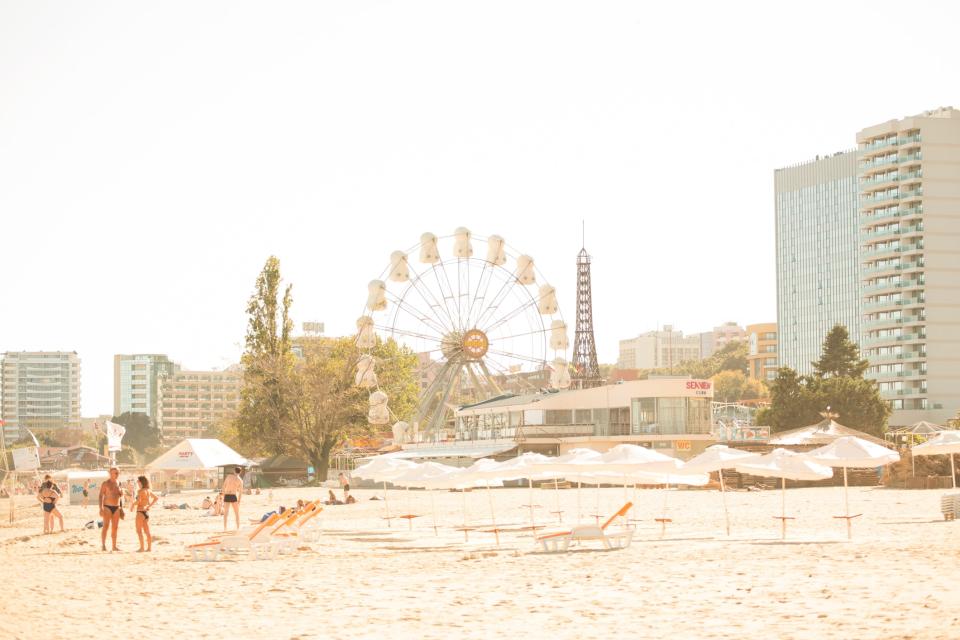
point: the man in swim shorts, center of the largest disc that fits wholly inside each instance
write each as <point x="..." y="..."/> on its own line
<point x="232" y="490"/>
<point x="110" y="494"/>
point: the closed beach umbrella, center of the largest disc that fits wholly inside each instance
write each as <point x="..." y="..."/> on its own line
<point x="430" y="476"/>
<point x="383" y="469"/>
<point x="717" y="458"/>
<point x="851" y="451"/>
<point x="575" y="462"/>
<point x="785" y="465"/>
<point x="944" y="443"/>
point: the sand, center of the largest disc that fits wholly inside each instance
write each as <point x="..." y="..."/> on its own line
<point x="897" y="578"/>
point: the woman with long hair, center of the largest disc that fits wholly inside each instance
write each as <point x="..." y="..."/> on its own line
<point x="145" y="499"/>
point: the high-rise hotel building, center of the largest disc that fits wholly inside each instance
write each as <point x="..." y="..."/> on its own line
<point x="41" y="390"/>
<point x="909" y="214"/>
<point x="884" y="262"/>
<point x="818" y="256"/>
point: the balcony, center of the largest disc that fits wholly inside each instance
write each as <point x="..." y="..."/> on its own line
<point x="911" y="157"/>
<point x="879" y="179"/>
<point x="881" y="215"/>
<point x="910" y="139"/>
<point x="912" y="194"/>
<point x="882" y="143"/>
<point x="911" y="176"/>
<point x="880" y="161"/>
<point x="882" y="232"/>
<point x="875" y="251"/>
<point x="873" y="288"/>
<point x="879" y="196"/>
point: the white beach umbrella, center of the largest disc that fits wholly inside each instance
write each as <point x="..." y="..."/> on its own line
<point x="786" y="465"/>
<point x="944" y="443"/>
<point x="717" y="458"/>
<point x="383" y="469"/>
<point x="430" y="476"/>
<point x="572" y="464"/>
<point x="524" y="467"/>
<point x="851" y="451"/>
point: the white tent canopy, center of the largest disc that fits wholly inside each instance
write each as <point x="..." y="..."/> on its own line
<point x="197" y="454"/>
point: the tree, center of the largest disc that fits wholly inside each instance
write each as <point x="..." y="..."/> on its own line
<point x="729" y="386"/>
<point x="732" y="357"/>
<point x="840" y="356"/>
<point x="327" y="408"/>
<point x="790" y="405"/>
<point x="837" y="382"/>
<point x="267" y="360"/>
<point x="141" y="434"/>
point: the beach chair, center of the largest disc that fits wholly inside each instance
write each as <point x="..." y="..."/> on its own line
<point x="950" y="506"/>
<point x="561" y="541"/>
<point x="304" y="527"/>
<point x="210" y="550"/>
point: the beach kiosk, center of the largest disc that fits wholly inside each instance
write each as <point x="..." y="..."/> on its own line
<point x="193" y="464"/>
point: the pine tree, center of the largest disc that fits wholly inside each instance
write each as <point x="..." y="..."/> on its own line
<point x="840" y="356"/>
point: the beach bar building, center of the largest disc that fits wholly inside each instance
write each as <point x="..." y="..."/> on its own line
<point x="671" y="414"/>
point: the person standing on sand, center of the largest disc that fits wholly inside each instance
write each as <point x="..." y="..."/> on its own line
<point x="232" y="490"/>
<point x="48" y="496"/>
<point x="110" y="509"/>
<point x="345" y="485"/>
<point x="145" y="500"/>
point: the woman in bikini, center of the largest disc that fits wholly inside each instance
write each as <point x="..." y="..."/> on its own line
<point x="110" y="494"/>
<point x="145" y="500"/>
<point x="48" y="496"/>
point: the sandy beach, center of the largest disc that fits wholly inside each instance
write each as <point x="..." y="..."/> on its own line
<point x="363" y="579"/>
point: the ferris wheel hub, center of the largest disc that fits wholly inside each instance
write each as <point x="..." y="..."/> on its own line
<point x="475" y="344"/>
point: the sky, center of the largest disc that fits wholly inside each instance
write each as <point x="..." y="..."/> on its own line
<point x="153" y="155"/>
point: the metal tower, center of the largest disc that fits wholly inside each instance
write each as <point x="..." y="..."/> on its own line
<point x="586" y="371"/>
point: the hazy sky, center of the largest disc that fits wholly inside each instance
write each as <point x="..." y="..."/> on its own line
<point x="152" y="155"/>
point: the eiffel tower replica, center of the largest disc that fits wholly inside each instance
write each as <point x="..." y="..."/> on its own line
<point x="586" y="371"/>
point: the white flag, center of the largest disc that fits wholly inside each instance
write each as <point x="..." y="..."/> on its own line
<point x="115" y="433"/>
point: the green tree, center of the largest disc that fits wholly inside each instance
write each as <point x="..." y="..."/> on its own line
<point x="840" y="356"/>
<point x="327" y="408"/>
<point x="732" y="357"/>
<point x="790" y="404"/>
<point x="141" y="434"/>
<point x="729" y="386"/>
<point x="837" y="382"/>
<point x="267" y="360"/>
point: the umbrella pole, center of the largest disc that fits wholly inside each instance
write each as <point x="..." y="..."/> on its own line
<point x="783" y="508"/>
<point x="433" y="508"/>
<point x="493" y="516"/>
<point x="913" y="464"/>
<point x="409" y="509"/>
<point x="466" y="533"/>
<point x="723" y="495"/>
<point x="598" y="502"/>
<point x="846" y="504"/>
<point x="953" y="472"/>
<point x="578" y="501"/>
<point x="556" y="493"/>
<point x="533" y="519"/>
<point x="386" y="503"/>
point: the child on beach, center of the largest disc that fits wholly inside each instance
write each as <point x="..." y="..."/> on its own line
<point x="145" y="500"/>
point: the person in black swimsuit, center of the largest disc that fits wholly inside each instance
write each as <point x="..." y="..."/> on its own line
<point x="145" y="499"/>
<point x="48" y="496"/>
<point x="110" y="495"/>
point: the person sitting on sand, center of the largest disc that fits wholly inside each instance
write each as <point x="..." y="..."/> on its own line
<point x="145" y="500"/>
<point x="207" y="503"/>
<point x="332" y="499"/>
<point x="351" y="500"/>
<point x="110" y="509"/>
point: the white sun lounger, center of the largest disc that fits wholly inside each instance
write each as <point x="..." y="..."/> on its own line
<point x="616" y="540"/>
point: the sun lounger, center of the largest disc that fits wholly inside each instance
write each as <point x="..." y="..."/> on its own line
<point x="619" y="540"/>
<point x="304" y="526"/>
<point x="950" y="506"/>
<point x="210" y="550"/>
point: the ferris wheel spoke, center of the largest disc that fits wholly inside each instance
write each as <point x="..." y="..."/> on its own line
<point x="477" y="297"/>
<point x="408" y="333"/>
<point x="517" y="356"/>
<point x="417" y="280"/>
<point x="527" y="333"/>
<point x="510" y="316"/>
<point x="447" y="294"/>
<point x="415" y="312"/>
<point x="497" y="300"/>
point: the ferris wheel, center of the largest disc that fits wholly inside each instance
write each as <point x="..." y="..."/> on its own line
<point x="480" y="325"/>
